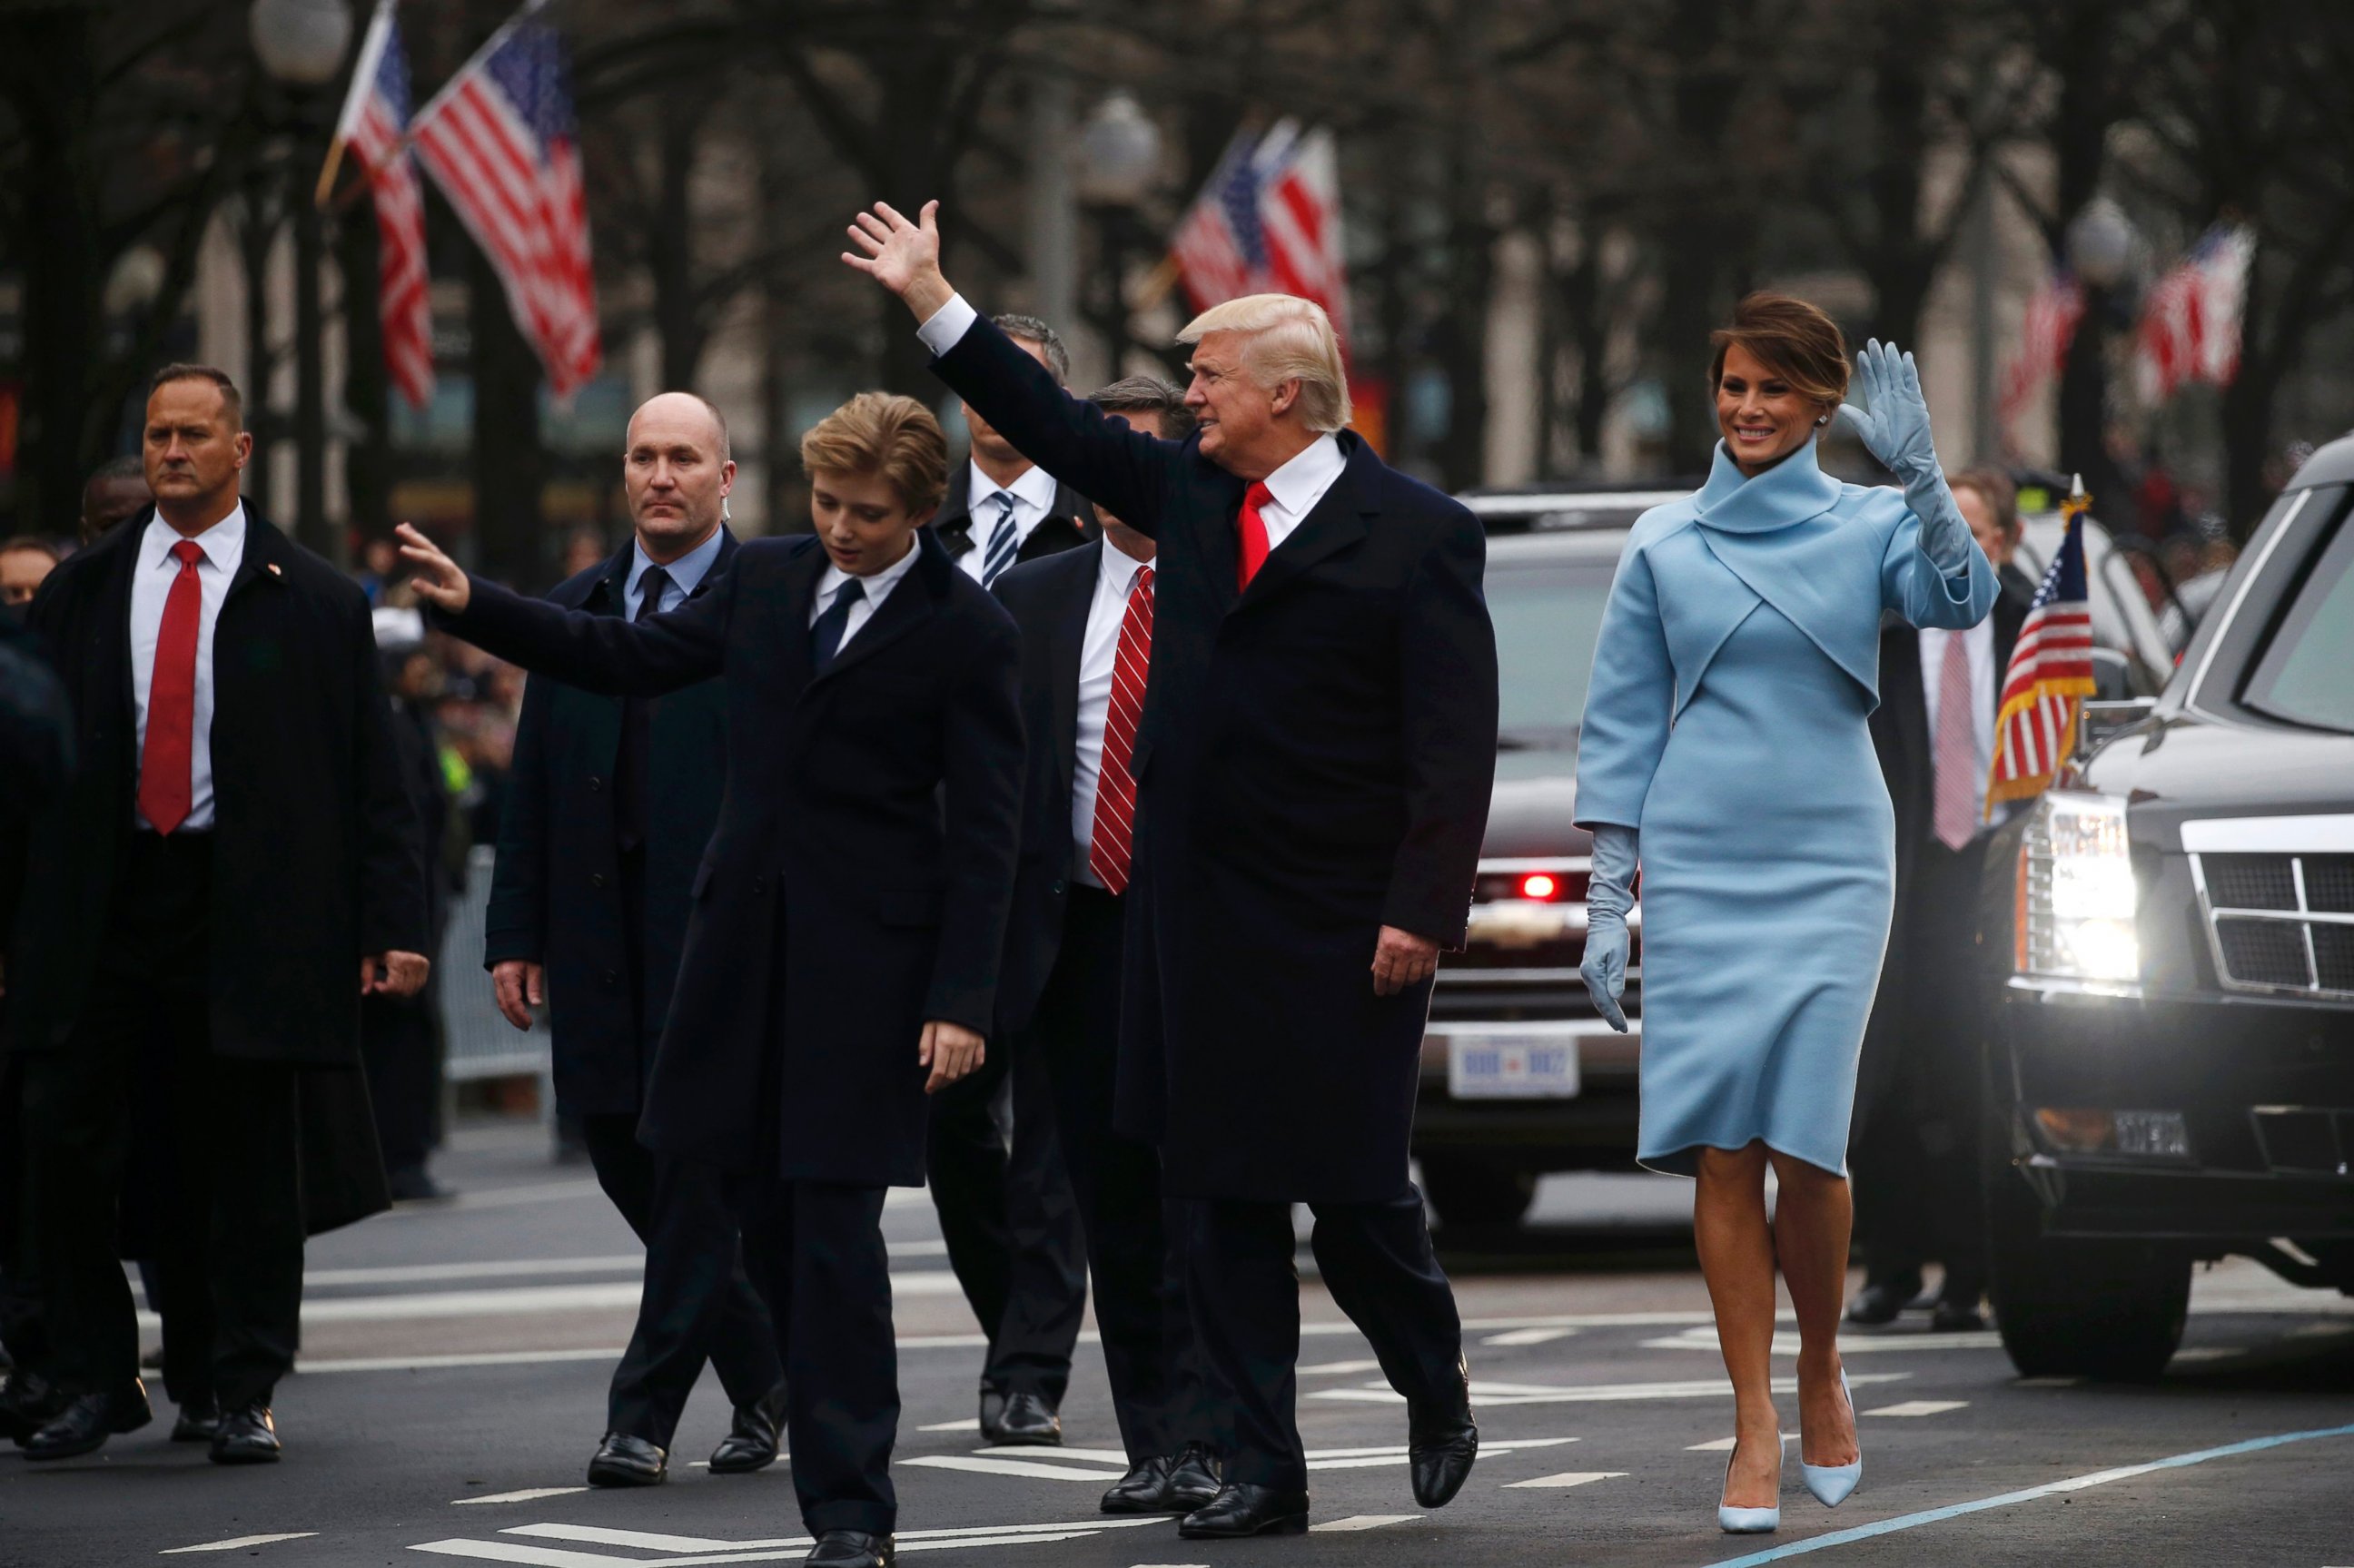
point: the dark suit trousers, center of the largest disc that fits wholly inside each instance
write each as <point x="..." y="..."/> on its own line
<point x="404" y="1076"/>
<point x="1147" y="1335"/>
<point x="1916" y="1171"/>
<point x="1010" y="1219"/>
<point x="1375" y="1258"/>
<point x="214" y="1138"/>
<point x="698" y="1301"/>
<point x="816" y="1251"/>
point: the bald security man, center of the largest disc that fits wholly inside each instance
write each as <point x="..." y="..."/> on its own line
<point x="612" y="802"/>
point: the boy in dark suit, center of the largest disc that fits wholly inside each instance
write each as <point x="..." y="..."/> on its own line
<point x="842" y="956"/>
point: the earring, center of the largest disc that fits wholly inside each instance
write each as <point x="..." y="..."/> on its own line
<point x="1822" y="420"/>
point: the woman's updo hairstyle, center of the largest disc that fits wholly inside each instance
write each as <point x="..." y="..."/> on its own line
<point x="1790" y="337"/>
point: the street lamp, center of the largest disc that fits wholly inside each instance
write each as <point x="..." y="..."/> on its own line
<point x="302" y="45"/>
<point x="1119" y="158"/>
<point x="2101" y="244"/>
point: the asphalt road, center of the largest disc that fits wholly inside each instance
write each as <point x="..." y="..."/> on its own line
<point x="456" y="1356"/>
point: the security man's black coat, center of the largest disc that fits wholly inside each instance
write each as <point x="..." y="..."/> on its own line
<point x="318" y="857"/>
<point x="857" y="883"/>
<point x="1071" y="522"/>
<point x="555" y="896"/>
<point x="1314" y="762"/>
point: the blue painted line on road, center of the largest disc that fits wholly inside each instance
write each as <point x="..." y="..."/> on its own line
<point x="2073" y="1484"/>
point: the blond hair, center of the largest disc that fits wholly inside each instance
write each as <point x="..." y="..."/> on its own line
<point x="880" y="433"/>
<point x="1290" y="339"/>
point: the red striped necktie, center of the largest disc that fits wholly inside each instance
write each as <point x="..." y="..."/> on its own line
<point x="1110" y="845"/>
<point x="1252" y="529"/>
<point x="167" y="759"/>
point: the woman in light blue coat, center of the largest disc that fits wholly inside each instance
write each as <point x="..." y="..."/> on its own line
<point x="1724" y="740"/>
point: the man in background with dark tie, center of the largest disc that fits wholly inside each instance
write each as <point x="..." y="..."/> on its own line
<point x="607" y="810"/>
<point x="1914" y="1143"/>
<point x="997" y="1179"/>
<point x="237" y="865"/>
<point x="1087" y="649"/>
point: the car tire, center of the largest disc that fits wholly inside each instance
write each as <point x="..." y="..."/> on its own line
<point x="2079" y="1306"/>
<point x="1473" y="1192"/>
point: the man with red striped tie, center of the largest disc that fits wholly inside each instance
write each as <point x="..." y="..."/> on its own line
<point x="1086" y="644"/>
<point x="236" y="863"/>
<point x="1312" y="768"/>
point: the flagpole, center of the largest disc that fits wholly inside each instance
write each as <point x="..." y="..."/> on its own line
<point x="363" y="82"/>
<point x="490" y="44"/>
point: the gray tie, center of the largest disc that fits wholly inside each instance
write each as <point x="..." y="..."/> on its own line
<point x="1005" y="540"/>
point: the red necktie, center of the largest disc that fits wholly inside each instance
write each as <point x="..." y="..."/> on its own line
<point x="1252" y="527"/>
<point x="1954" y="759"/>
<point x="1110" y="846"/>
<point x="167" y="760"/>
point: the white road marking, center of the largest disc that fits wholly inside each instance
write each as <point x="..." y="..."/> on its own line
<point x="970" y="1423"/>
<point x="1725" y="1444"/>
<point x="1568" y="1479"/>
<point x="776" y="1550"/>
<point x="517" y="1269"/>
<point x="1366" y="1522"/>
<point x="1918" y="1407"/>
<point x="599" y="1535"/>
<point x="506" y="1197"/>
<point x="2210" y="1352"/>
<point x="233" y="1543"/>
<point x="1493" y="1394"/>
<point x="1528" y="1337"/>
<point x="1785" y="1344"/>
<point x="529" y="1494"/>
<point x="1340" y="1369"/>
<point x="599" y="1353"/>
<point x="980" y="1466"/>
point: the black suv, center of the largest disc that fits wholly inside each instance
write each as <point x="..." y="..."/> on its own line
<point x="2170" y="1052"/>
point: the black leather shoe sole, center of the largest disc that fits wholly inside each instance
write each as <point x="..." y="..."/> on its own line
<point x="604" y="1472"/>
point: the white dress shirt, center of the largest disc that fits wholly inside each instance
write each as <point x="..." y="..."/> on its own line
<point x="685" y="575"/>
<point x="151" y="584"/>
<point x="1978" y="646"/>
<point x="878" y="588"/>
<point x="1296" y="487"/>
<point x="1098" y="656"/>
<point x="1034" y="498"/>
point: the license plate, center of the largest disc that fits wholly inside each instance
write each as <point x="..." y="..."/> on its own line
<point x="1511" y="1067"/>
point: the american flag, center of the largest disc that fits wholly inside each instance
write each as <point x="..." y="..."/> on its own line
<point x="2051" y="674"/>
<point x="1267" y="220"/>
<point x="373" y="124"/>
<point x="2043" y="339"/>
<point x="500" y="141"/>
<point x="2191" y="320"/>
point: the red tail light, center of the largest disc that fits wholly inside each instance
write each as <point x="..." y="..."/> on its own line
<point x="1539" y="885"/>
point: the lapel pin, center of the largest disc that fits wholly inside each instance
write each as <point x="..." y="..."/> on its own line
<point x="273" y="569"/>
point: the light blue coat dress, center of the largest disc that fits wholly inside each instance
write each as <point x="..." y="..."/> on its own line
<point x="1738" y="660"/>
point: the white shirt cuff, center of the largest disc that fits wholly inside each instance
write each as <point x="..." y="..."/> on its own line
<point x="946" y="327"/>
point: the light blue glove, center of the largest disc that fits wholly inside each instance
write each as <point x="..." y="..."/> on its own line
<point x="1610" y="893"/>
<point x="1895" y="429"/>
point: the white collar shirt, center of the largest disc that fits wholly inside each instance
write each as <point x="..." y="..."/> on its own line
<point x="685" y="575"/>
<point x="223" y="545"/>
<point x="1033" y="496"/>
<point x="1978" y="646"/>
<point x="1299" y="485"/>
<point x="878" y="588"/>
<point x="1099" y="660"/>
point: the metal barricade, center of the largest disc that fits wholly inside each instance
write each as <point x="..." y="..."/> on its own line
<point x="481" y="1043"/>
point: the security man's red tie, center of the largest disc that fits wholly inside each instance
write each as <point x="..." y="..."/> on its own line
<point x="168" y="759"/>
<point x="1252" y="530"/>
<point x="1110" y="845"/>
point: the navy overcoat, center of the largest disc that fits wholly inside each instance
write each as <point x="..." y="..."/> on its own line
<point x="856" y="883"/>
<point x="1314" y="762"/>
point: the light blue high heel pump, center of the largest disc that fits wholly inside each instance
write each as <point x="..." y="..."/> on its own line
<point x="1750" y="1521"/>
<point x="1833" y="1483"/>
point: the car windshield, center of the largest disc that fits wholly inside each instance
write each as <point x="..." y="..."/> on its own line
<point x="1548" y="617"/>
<point x="2303" y="675"/>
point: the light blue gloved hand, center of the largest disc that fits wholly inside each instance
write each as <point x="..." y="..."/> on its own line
<point x="1610" y="893"/>
<point x="1894" y="428"/>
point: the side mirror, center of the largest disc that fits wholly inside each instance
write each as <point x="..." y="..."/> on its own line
<point x="2103" y="719"/>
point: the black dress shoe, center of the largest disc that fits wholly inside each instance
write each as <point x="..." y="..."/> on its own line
<point x="1957" y="1318"/>
<point x="246" y="1435"/>
<point x="1881" y="1300"/>
<point x="414" y="1184"/>
<point x="621" y="1460"/>
<point x="751" y="1444"/>
<point x="28" y="1402"/>
<point x="86" y="1422"/>
<point x="199" y="1419"/>
<point x="851" y="1548"/>
<point x="1025" y="1421"/>
<point x="1441" y="1442"/>
<point x="1242" y="1509"/>
<point x="1144" y="1489"/>
<point x="1194" y="1479"/>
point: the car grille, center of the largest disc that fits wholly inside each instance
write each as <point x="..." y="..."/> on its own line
<point x="2280" y="922"/>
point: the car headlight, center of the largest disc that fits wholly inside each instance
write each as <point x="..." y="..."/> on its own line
<point x="2075" y="891"/>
